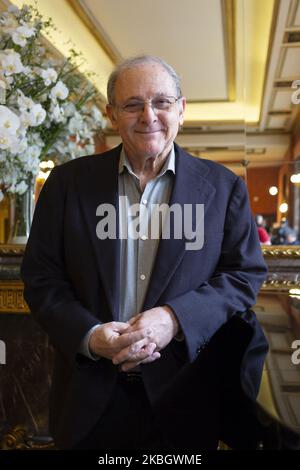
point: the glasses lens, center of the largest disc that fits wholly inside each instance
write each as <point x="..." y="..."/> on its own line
<point x="163" y="102"/>
<point x="133" y="106"/>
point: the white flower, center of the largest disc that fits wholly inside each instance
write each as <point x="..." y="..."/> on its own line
<point x="8" y="141"/>
<point x="20" y="35"/>
<point x="96" y="114"/>
<point x="59" y="91"/>
<point x="22" y="131"/>
<point x="9" y="80"/>
<point x="11" y="62"/>
<point x="43" y="97"/>
<point x="31" y="159"/>
<point x="89" y="149"/>
<point x="24" y="103"/>
<point x="21" y="187"/>
<point x="40" y="114"/>
<point x="75" y="123"/>
<point x="8" y="25"/>
<point x="28" y="72"/>
<point x="37" y="115"/>
<point x="2" y="84"/>
<point x="1" y="195"/>
<point x="25" y="122"/>
<point x="69" y="109"/>
<point x="33" y="116"/>
<point x="21" y="146"/>
<point x="32" y="152"/>
<point x="57" y="113"/>
<point x="49" y="76"/>
<point x="35" y="139"/>
<point x="9" y="121"/>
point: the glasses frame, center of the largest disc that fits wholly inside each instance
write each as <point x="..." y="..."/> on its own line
<point x="150" y="102"/>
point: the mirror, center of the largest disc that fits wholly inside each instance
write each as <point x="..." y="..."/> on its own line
<point x="279" y="315"/>
<point x="4" y="220"/>
<point x="274" y="192"/>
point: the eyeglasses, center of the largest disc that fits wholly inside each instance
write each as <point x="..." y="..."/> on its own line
<point x="160" y="103"/>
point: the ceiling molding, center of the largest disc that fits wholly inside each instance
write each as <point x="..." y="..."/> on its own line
<point x="295" y="4"/>
<point x="229" y="31"/>
<point x="95" y="29"/>
<point x="283" y="69"/>
<point x="231" y="16"/>
<point x="229" y="34"/>
<point x="269" y="54"/>
<point x="228" y="19"/>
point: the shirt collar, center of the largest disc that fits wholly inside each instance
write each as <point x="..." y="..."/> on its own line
<point x="168" y="165"/>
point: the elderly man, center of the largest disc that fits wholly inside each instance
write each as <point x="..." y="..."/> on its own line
<point x="149" y="328"/>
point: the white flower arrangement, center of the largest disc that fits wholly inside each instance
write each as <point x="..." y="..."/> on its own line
<point x="47" y="109"/>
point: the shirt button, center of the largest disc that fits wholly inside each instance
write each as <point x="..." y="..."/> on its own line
<point x="142" y="277"/>
<point x="144" y="201"/>
<point x="144" y="237"/>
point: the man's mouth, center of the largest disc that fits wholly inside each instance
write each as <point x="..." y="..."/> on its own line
<point x="149" y="132"/>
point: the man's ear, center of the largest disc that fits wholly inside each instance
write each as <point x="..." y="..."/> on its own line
<point x="112" y="116"/>
<point x="181" y="110"/>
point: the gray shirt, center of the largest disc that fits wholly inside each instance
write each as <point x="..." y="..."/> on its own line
<point x="140" y="238"/>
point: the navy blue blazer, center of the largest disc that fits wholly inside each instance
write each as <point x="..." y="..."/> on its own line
<point x="71" y="280"/>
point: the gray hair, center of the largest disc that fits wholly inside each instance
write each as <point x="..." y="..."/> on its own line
<point x="134" y="62"/>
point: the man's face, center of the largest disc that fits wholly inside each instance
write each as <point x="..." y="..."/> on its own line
<point x="149" y="132"/>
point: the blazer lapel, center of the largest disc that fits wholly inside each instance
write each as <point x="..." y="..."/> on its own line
<point x="190" y="187"/>
<point x="102" y="188"/>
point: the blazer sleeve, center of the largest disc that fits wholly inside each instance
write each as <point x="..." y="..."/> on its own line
<point x="47" y="289"/>
<point x="235" y="283"/>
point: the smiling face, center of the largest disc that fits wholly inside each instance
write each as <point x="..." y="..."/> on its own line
<point x="149" y="133"/>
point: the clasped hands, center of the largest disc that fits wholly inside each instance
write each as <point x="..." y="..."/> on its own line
<point x="137" y="342"/>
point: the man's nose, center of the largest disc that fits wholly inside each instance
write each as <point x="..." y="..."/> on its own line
<point x="148" y="114"/>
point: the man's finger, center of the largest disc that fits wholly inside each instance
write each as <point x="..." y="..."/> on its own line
<point x="135" y="352"/>
<point x="134" y="319"/>
<point x="120" y="327"/>
<point x="152" y="358"/>
<point x="130" y="353"/>
<point x="126" y="339"/>
<point x="126" y="366"/>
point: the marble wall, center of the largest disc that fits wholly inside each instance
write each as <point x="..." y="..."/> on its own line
<point x="25" y="377"/>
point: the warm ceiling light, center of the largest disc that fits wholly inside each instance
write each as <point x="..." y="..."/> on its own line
<point x="294" y="291"/>
<point x="47" y="164"/>
<point x="43" y="175"/>
<point x="273" y="190"/>
<point x="283" y="208"/>
<point x="295" y="178"/>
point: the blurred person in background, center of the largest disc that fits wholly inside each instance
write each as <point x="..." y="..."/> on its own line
<point x="263" y="235"/>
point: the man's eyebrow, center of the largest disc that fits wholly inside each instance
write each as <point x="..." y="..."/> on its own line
<point x="134" y="98"/>
<point x="140" y="98"/>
